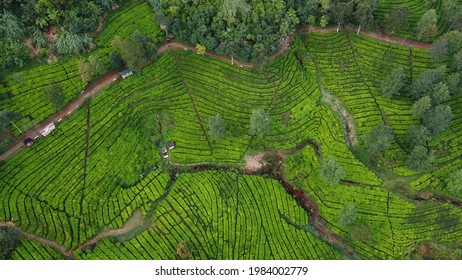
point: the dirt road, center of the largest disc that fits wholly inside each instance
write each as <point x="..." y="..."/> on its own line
<point x="90" y="91"/>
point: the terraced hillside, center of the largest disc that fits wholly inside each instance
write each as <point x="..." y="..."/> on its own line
<point x="23" y="92"/>
<point x="99" y="188"/>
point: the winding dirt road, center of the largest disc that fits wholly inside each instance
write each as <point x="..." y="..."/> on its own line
<point x="111" y="77"/>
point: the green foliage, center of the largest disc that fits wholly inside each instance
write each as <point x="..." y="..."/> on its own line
<point x="456" y="64"/>
<point x="454" y="41"/>
<point x="362" y="232"/>
<point x="12" y="54"/>
<point x="136" y="51"/>
<point x="394" y="83"/>
<point x="247" y="31"/>
<point x="217" y="127"/>
<point x="259" y="122"/>
<point x="454" y="184"/>
<point x="347" y="215"/>
<point x="426" y="81"/>
<point x="8" y="238"/>
<point x="10" y="27"/>
<point x="454" y="83"/>
<point x="92" y="68"/>
<point x="440" y="93"/>
<point x="438" y="119"/>
<point x="418" y="136"/>
<point x="420" y="158"/>
<point x="396" y="20"/>
<point x="378" y="140"/>
<point x="331" y="171"/>
<point x="69" y="43"/>
<point x="364" y="13"/>
<point x="440" y="50"/>
<point x="420" y="107"/>
<point x="6" y="118"/>
<point x="426" y="27"/>
<point x="54" y="95"/>
<point x="341" y="12"/>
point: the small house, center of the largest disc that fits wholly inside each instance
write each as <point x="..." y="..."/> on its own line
<point x="171" y="145"/>
<point x="28" y="142"/>
<point x="126" y="73"/>
<point x="49" y="128"/>
<point x="164" y="152"/>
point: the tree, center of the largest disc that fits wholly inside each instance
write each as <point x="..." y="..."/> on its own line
<point x="457" y="61"/>
<point x="396" y="20"/>
<point x="10" y="27"/>
<point x="185" y="249"/>
<point x="454" y="184"/>
<point x="259" y="122"/>
<point x="438" y="119"/>
<point x="378" y="140"/>
<point x="115" y="61"/>
<point x="440" y="49"/>
<point x="12" y="53"/>
<point x="394" y="83"/>
<point x="440" y="93"/>
<point x="92" y="68"/>
<point x="420" y="158"/>
<point x="230" y="8"/>
<point x="8" y="239"/>
<point x="364" y="12"/>
<point x="305" y="9"/>
<point x="84" y="70"/>
<point x="418" y="136"/>
<point x="217" y="127"/>
<point x="136" y="51"/>
<point x="341" y="12"/>
<point x="426" y="26"/>
<point x="454" y="41"/>
<point x="454" y="83"/>
<point x="69" y="43"/>
<point x="6" y="118"/>
<point x="421" y="107"/>
<point x="331" y="171"/>
<point x="200" y="49"/>
<point x="54" y="95"/>
<point x="425" y="82"/>
<point x="347" y="215"/>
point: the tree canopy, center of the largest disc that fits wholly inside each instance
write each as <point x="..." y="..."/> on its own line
<point x="217" y="126"/>
<point x="438" y="119"/>
<point x="420" y="158"/>
<point x="347" y="215"/>
<point x="394" y="83"/>
<point x="378" y="140"/>
<point x="259" y="122"/>
<point x="426" y="26"/>
<point x="331" y="171"/>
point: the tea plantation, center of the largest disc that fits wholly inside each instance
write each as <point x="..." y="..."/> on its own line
<point x="100" y="186"/>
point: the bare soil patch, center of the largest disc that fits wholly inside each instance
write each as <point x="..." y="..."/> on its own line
<point x="254" y="163"/>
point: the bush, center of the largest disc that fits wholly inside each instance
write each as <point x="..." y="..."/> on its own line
<point x="259" y="122"/>
<point x="378" y="140"/>
<point x="217" y="127"/>
<point x="347" y="216"/>
<point x="331" y="171"/>
<point x="54" y="95"/>
<point x="420" y="158"/>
